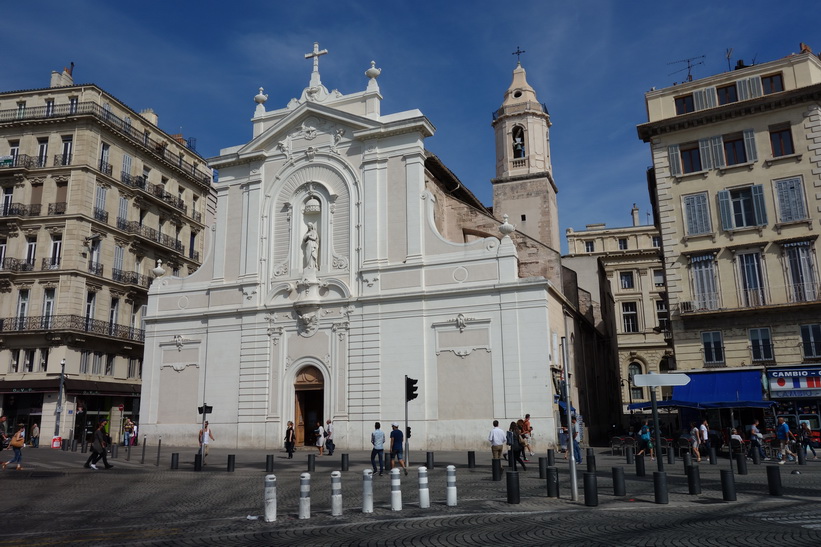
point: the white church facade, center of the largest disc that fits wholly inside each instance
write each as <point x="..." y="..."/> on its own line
<point x="343" y="257"/>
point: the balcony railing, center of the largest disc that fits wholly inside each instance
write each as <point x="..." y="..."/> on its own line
<point x="95" y="268"/>
<point x="130" y="278"/>
<point x="20" y="210"/>
<point x="159" y="191"/>
<point x="194" y="255"/>
<point x="17" y="265"/>
<point x="106" y="168"/>
<point x="76" y="323"/>
<point x="101" y="215"/>
<point x="752" y="298"/>
<point x="58" y="208"/>
<point x="52" y="263"/>
<point x="804" y="292"/>
<point x="134" y="227"/>
<point x="62" y="159"/>
<point x="196" y="215"/>
<point x="160" y="148"/>
<point x="704" y="302"/>
<point x="18" y="160"/>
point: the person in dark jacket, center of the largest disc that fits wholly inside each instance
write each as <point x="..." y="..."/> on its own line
<point x="514" y="440"/>
<point x="98" y="448"/>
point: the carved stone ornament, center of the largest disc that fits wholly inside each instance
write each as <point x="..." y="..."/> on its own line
<point x="308" y="322"/>
<point x="310" y="153"/>
<point x="179" y="367"/>
<point x="275" y="333"/>
<point x="180" y="341"/>
<point x="284" y="146"/>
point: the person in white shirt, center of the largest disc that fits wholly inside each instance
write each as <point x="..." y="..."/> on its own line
<point x="497" y="439"/>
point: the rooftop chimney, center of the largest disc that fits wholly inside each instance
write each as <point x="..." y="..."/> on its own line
<point x="62" y="79"/>
<point x="149" y="115"/>
<point x="635" y="212"/>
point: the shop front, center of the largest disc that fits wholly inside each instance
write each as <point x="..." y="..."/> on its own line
<point x="797" y="393"/>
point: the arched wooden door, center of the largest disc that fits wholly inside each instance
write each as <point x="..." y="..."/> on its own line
<point x="309" y="397"/>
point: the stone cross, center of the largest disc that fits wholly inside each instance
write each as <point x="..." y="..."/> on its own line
<point x="316" y="54"/>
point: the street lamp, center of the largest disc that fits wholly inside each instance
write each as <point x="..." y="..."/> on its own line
<point x="56" y="440"/>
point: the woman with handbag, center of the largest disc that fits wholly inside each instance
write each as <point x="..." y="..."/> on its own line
<point x="17" y="442"/>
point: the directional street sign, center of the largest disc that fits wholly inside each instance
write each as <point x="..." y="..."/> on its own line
<point x="655" y="380"/>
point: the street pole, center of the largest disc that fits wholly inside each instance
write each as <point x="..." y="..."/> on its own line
<point x="574" y="487"/>
<point x="60" y="399"/>
<point x="407" y="445"/>
<point x="657" y="429"/>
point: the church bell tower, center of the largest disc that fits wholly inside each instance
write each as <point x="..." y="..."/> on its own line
<point x="524" y="187"/>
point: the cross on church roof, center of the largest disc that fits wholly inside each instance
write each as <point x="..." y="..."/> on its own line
<point x="315" y="54"/>
<point x="517" y="53"/>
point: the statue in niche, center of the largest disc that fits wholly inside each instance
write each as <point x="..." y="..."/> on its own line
<point x="311" y="241"/>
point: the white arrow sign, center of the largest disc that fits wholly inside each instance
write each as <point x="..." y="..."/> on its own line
<point x="655" y="380"/>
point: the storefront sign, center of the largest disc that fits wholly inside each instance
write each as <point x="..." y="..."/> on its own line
<point x="794" y="382"/>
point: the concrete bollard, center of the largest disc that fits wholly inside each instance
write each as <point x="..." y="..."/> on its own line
<point x="269" y="463"/>
<point x="694" y="480"/>
<point x="336" y="494"/>
<point x="713" y="457"/>
<point x="774" y="480"/>
<point x="471" y="459"/>
<point x="741" y="460"/>
<point x="640" y="471"/>
<point x="424" y="491"/>
<point x="367" y="491"/>
<point x="728" y="485"/>
<point x="114" y="450"/>
<point x="311" y="463"/>
<point x="145" y="442"/>
<point x="305" y="496"/>
<point x="159" y="450"/>
<point x="429" y="460"/>
<point x="619" y="488"/>
<point x="552" y="482"/>
<point x="513" y="487"/>
<point x="660" y="487"/>
<point x="396" y="490"/>
<point x="591" y="493"/>
<point x="232" y="459"/>
<point x="451" y="486"/>
<point x="542" y="468"/>
<point x="344" y="463"/>
<point x="629" y="455"/>
<point x="551" y="457"/>
<point x="496" y="467"/>
<point x="270" y="497"/>
<point x="175" y="460"/>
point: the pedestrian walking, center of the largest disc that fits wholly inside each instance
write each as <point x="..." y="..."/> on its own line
<point x="695" y="441"/>
<point x="646" y="441"/>
<point x="784" y="437"/>
<point x="205" y="438"/>
<point x="514" y="441"/>
<point x="18" y="440"/>
<point x="320" y="437"/>
<point x="527" y="432"/>
<point x="525" y="448"/>
<point x="35" y="436"/>
<point x="98" y="448"/>
<point x="329" y="437"/>
<point x="378" y="450"/>
<point x="755" y="441"/>
<point x="290" y="440"/>
<point x="576" y="431"/>
<point x="497" y="439"/>
<point x="397" y="440"/>
<point x="128" y="431"/>
<point x="805" y="436"/>
<point x="705" y="434"/>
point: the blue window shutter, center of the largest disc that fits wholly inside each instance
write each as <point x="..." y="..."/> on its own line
<point x="706" y="155"/>
<point x="696" y="214"/>
<point x="725" y="209"/>
<point x="758" y="205"/>
<point x="690" y="215"/>
<point x="675" y="160"/>
<point x="749" y="145"/>
<point x="717" y="145"/>
<point x="790" y="199"/>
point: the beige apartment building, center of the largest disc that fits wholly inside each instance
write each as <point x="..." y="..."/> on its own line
<point x="631" y="257"/>
<point x="736" y="186"/>
<point x="95" y="197"/>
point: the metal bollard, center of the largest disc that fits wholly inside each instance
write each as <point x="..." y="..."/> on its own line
<point x="142" y="458"/>
<point x="619" y="488"/>
<point x="336" y="494"/>
<point x="83" y="448"/>
<point x="114" y="451"/>
<point x="451" y="486"/>
<point x="741" y="460"/>
<point x="513" y="487"/>
<point x="429" y="460"/>
<point x="671" y="455"/>
<point x="127" y="453"/>
<point x="396" y="490"/>
<point x="305" y="496"/>
<point x="713" y="458"/>
<point x="424" y="492"/>
<point x="311" y="463"/>
<point x="801" y="453"/>
<point x="591" y="461"/>
<point x="552" y="482"/>
<point x="74" y="445"/>
<point x="728" y="485"/>
<point x="756" y="453"/>
<point x="640" y="472"/>
<point x="591" y="494"/>
<point x="660" y="487"/>
<point x="198" y="462"/>
<point x="159" y="447"/>
<point x="774" y="480"/>
<point x="471" y="459"/>
<point x="270" y="497"/>
<point x="688" y="461"/>
<point x="175" y="460"/>
<point x="496" y="466"/>
<point x="269" y="463"/>
<point x="590" y="453"/>
<point x="344" y="463"/>
<point x="551" y="457"/>
<point x="542" y="468"/>
<point x="367" y="491"/>
<point x="693" y="480"/>
<point x="629" y="455"/>
<point x="231" y="461"/>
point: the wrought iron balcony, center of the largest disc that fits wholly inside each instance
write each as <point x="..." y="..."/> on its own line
<point x="20" y="210"/>
<point x="23" y="161"/>
<point x="106" y="168"/>
<point x="194" y="255"/>
<point x="75" y="323"/>
<point x="159" y="191"/>
<point x="804" y="292"/>
<point x="151" y="234"/>
<point x="62" y="159"/>
<point x="196" y="215"/>
<point x="58" y="208"/>
<point x="95" y="268"/>
<point x="52" y="263"/>
<point x="101" y="215"/>
<point x="17" y="265"/>
<point x="130" y="278"/>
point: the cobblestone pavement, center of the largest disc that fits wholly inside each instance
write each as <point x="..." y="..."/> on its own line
<point x="55" y="501"/>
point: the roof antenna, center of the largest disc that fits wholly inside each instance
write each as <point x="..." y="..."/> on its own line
<point x="729" y="55"/>
<point x="690" y="65"/>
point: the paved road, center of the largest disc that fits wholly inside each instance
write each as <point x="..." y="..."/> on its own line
<point x="54" y="501"/>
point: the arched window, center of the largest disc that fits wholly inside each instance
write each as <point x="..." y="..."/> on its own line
<point x="519" y="142"/>
<point x="636" y="393"/>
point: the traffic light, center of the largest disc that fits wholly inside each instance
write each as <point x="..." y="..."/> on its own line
<point x="410" y="389"/>
<point x="408" y="432"/>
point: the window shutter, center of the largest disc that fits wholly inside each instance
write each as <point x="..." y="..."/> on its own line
<point x="749" y="88"/>
<point x="756" y="89"/>
<point x="674" y="158"/>
<point x="100" y="203"/>
<point x="749" y="145"/>
<point x="696" y="213"/>
<point x="126" y="164"/>
<point x="717" y="145"/>
<point x="758" y="205"/>
<point x="725" y="209"/>
<point x="710" y="97"/>
<point x="118" y="258"/>
<point x="791" y="199"/>
<point x="123" y="210"/>
<point x="706" y="155"/>
<point x="698" y="100"/>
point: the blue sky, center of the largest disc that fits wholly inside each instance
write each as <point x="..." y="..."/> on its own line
<point x="199" y="65"/>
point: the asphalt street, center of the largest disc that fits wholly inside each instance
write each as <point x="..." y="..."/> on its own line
<point x="55" y="501"/>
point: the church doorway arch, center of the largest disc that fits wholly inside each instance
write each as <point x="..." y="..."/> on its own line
<point x="309" y="398"/>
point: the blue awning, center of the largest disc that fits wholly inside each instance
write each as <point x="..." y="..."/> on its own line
<point x="563" y="406"/>
<point x="737" y="388"/>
